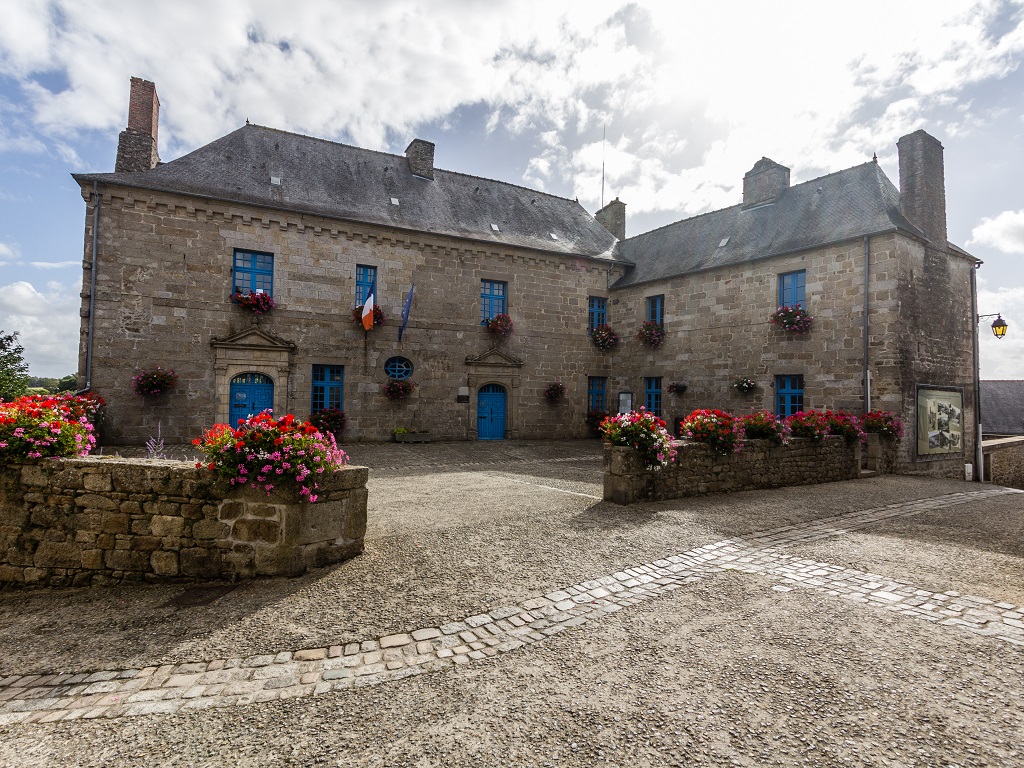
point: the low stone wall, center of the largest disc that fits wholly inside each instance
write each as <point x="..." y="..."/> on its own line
<point x="699" y="470"/>
<point x="101" y="520"/>
<point x="1004" y="461"/>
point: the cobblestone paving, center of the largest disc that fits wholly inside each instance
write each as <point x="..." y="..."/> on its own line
<point x="311" y="671"/>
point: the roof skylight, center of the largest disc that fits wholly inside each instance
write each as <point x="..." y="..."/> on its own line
<point x="394" y="201"/>
<point x="495" y="227"/>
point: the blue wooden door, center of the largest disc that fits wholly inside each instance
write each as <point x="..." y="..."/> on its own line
<point x="490" y="412"/>
<point x="251" y="393"/>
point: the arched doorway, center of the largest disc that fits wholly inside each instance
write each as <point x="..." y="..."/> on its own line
<point x="490" y="412"/>
<point x="251" y="393"/>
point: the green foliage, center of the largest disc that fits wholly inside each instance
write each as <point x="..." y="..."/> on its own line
<point x="13" y="368"/>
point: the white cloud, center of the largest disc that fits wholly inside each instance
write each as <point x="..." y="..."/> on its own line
<point x="55" y="264"/>
<point x="1001" y="358"/>
<point x="1004" y="232"/>
<point x="48" y="324"/>
<point x="7" y="252"/>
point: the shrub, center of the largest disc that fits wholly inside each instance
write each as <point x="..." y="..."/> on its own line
<point x="331" y="420"/>
<point x="35" y="427"/>
<point x="594" y="418"/>
<point x="154" y="382"/>
<point x="605" y="338"/>
<point x="884" y="423"/>
<point x="645" y="433"/>
<point x="793" y="318"/>
<point x="262" y="452"/>
<point x="809" y="424"/>
<point x="765" y="425"/>
<point x="651" y="334"/>
<point x="721" y="430"/>
<point x="397" y="389"/>
<point x="501" y="325"/>
<point x="845" y="424"/>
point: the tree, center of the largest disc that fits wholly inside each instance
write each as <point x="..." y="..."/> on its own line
<point x="13" y="368"/>
<point x="67" y="383"/>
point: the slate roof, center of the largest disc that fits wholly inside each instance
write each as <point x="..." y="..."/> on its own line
<point x="841" y="206"/>
<point x="1002" y="407"/>
<point x="345" y="182"/>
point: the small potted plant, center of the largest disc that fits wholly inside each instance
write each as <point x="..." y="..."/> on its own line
<point x="676" y="388"/>
<point x="794" y="319"/>
<point x="378" y="315"/>
<point x="651" y="334"/>
<point x="397" y="390"/>
<point x="257" y="302"/>
<point x="743" y="385"/>
<point x="407" y="435"/>
<point x="554" y="392"/>
<point x="605" y="338"/>
<point x="153" y="382"/>
<point x="501" y="326"/>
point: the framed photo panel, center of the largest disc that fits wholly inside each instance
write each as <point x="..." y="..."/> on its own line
<point x="940" y="422"/>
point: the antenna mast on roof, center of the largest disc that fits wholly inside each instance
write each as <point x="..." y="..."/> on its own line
<point x="604" y="133"/>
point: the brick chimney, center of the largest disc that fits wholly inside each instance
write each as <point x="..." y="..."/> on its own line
<point x="764" y="182"/>
<point x="136" y="146"/>
<point x="613" y="218"/>
<point x="420" y="154"/>
<point x="923" y="185"/>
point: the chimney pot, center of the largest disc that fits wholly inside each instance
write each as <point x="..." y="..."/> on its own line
<point x="420" y="154"/>
<point x="923" y="184"/>
<point x="764" y="182"/>
<point x="137" y="144"/>
<point x="613" y="218"/>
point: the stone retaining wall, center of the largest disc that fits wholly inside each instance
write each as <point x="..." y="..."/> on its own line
<point x="101" y="520"/>
<point x="1004" y="461"/>
<point x="699" y="470"/>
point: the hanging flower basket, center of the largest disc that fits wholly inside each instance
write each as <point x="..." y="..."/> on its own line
<point x="744" y="385"/>
<point x="605" y="338"/>
<point x="256" y="302"/>
<point x="501" y="326"/>
<point x="378" y="315"/>
<point x="676" y="388"/>
<point x="794" y="319"/>
<point x="154" y="382"/>
<point x="554" y="392"/>
<point x="651" y="334"/>
<point x="397" y="390"/>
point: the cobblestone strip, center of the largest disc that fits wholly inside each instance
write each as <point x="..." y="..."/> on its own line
<point x="230" y="682"/>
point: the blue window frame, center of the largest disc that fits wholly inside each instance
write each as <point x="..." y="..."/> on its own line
<point x="789" y="394"/>
<point x="253" y="272"/>
<point x="366" y="277"/>
<point x="597" y="393"/>
<point x="652" y="394"/>
<point x="328" y="387"/>
<point x="399" y="368"/>
<point x="597" y="312"/>
<point x="792" y="289"/>
<point x="656" y="309"/>
<point x="492" y="299"/>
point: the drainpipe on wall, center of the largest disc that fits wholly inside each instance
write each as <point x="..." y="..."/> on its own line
<point x="867" y="281"/>
<point x="92" y="288"/>
<point x="979" y="454"/>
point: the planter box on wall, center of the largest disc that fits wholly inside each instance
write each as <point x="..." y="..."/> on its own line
<point x="77" y="522"/>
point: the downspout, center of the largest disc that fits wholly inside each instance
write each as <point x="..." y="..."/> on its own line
<point x="979" y="454"/>
<point x="867" y="281"/>
<point x="92" y="286"/>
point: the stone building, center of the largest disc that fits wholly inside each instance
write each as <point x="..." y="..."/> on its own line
<point x="319" y="225"/>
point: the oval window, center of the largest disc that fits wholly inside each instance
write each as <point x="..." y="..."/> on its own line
<point x="398" y="368"/>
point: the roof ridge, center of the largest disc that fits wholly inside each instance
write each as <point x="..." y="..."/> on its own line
<point x="682" y="221"/>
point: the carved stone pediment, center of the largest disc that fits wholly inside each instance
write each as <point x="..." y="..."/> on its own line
<point x="494" y="358"/>
<point x="255" y="338"/>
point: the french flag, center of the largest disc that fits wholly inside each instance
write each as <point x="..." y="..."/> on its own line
<point x="368" y="308"/>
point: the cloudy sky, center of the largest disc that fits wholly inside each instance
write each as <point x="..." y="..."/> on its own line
<point x="689" y="96"/>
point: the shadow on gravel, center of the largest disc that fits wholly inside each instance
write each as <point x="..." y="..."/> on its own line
<point x="605" y="516"/>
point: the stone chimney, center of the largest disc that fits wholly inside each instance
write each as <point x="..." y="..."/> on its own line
<point x="923" y="185"/>
<point x="420" y="154"/>
<point x="764" y="182"/>
<point x="613" y="218"/>
<point x="136" y="146"/>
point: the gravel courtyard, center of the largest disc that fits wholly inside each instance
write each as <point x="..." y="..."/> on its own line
<point x="503" y="615"/>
